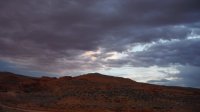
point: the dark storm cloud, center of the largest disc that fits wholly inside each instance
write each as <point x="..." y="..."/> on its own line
<point x="49" y="31"/>
<point x="165" y="12"/>
<point x="48" y="24"/>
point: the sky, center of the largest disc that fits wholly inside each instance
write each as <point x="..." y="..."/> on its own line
<point x="150" y="41"/>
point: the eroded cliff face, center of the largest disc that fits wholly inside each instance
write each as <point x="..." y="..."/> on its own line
<point x="92" y="93"/>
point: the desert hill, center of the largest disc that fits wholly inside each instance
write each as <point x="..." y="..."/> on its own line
<point x="92" y="93"/>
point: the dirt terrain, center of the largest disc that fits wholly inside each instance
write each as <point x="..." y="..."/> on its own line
<point x="92" y="93"/>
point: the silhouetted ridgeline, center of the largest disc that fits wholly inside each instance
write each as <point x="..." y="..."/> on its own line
<point x="92" y="93"/>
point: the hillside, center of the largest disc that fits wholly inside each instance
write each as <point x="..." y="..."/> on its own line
<point x="92" y="93"/>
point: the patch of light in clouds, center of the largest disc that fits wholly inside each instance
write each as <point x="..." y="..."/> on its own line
<point x="115" y="55"/>
<point x="143" y="74"/>
<point x="139" y="47"/>
<point x="92" y="54"/>
<point x="193" y="36"/>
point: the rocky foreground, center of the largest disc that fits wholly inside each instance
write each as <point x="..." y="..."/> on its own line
<point x="92" y="93"/>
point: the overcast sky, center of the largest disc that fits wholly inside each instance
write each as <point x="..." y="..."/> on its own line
<point x="150" y="41"/>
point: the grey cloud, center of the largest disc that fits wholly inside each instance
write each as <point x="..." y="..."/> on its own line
<point x="183" y="52"/>
<point x="43" y="32"/>
<point x="188" y="77"/>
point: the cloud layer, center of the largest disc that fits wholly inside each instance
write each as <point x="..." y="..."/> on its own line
<point x="68" y="36"/>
